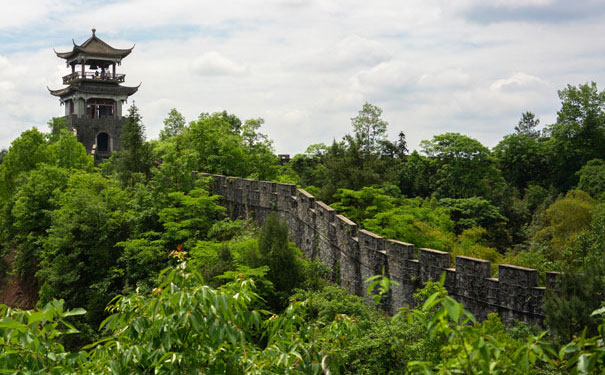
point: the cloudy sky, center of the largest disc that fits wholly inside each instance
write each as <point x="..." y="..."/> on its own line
<point x="307" y="66"/>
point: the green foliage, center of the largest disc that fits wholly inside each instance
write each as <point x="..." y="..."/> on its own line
<point x="585" y="355"/>
<point x="522" y="159"/>
<point x="528" y="124"/>
<point x="91" y="218"/>
<point x="563" y="221"/>
<point x="472" y="212"/>
<point x="135" y="157"/>
<point x="362" y="204"/>
<point x="417" y="176"/>
<point x="173" y="124"/>
<point x="30" y="341"/>
<point x="592" y="177"/>
<point x="217" y="143"/>
<point x="379" y="286"/>
<point x="473" y="242"/>
<point x="589" y="245"/>
<point x="578" y="294"/>
<point x="309" y="166"/>
<point x="362" y="159"/>
<point x="369" y="128"/>
<point x="387" y="347"/>
<point x="183" y="327"/>
<point x="578" y="136"/>
<point x="57" y="126"/>
<point x="209" y="329"/>
<point x="279" y="254"/>
<point x="24" y="154"/>
<point x="464" y="167"/>
<point x="189" y="217"/>
<point x="67" y="152"/>
<point x="325" y="305"/>
<point x="415" y="222"/>
<point x="29" y="216"/>
<point x="470" y="347"/>
<point x="475" y="212"/>
<point x="140" y="261"/>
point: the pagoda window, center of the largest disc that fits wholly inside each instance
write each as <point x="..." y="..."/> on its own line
<point x="100" y="108"/>
<point x="103" y="142"/>
<point x="71" y="107"/>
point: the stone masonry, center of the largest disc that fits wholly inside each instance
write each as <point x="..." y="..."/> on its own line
<point x="355" y="254"/>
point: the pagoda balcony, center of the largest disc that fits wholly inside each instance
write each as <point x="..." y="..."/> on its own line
<point x="92" y="76"/>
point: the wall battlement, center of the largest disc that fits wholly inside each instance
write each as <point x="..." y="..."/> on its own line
<point x="355" y="254"/>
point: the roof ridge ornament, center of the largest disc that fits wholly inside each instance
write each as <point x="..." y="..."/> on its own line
<point x="94" y="31"/>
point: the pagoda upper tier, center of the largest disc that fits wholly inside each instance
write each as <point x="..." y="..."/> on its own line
<point x="96" y="74"/>
<point x="94" y="49"/>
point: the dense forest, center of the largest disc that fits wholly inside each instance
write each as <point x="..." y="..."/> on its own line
<point x="133" y="266"/>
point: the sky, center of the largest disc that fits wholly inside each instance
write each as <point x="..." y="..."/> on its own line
<point x="307" y="66"/>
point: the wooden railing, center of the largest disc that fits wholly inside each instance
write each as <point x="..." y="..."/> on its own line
<point x="75" y="76"/>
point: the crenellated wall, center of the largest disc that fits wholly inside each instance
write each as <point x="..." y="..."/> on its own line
<point x="355" y="254"/>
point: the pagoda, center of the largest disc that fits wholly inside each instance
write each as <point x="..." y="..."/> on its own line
<point x="93" y="97"/>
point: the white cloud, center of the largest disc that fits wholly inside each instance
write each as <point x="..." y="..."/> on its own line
<point x="518" y="81"/>
<point x="214" y="64"/>
<point x="348" y="53"/>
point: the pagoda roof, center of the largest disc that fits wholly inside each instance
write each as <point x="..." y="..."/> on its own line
<point x="96" y="89"/>
<point x="94" y="46"/>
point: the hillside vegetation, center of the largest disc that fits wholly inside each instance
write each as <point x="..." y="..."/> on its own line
<point x="139" y="270"/>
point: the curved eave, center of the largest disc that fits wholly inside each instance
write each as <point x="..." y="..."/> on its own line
<point x="117" y="90"/>
<point x="114" y="54"/>
<point x="59" y="92"/>
<point x="63" y="55"/>
<point x="133" y="89"/>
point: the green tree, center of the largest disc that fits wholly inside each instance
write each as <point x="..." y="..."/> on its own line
<point x="24" y="154"/>
<point x="528" y="124"/>
<point x="213" y="146"/>
<point x="67" y="152"/>
<point x="187" y="217"/>
<point x="79" y="255"/>
<point x="464" y="167"/>
<point x="359" y="205"/>
<point x="414" y="221"/>
<point x="416" y="176"/>
<point x="562" y="221"/>
<point x="369" y="128"/>
<point x="28" y="217"/>
<point x="173" y="124"/>
<point x="522" y="159"/>
<point x="263" y="163"/>
<point x="568" y="310"/>
<point x="473" y="212"/>
<point x="277" y="252"/>
<point x="31" y="341"/>
<point x="309" y="166"/>
<point x="135" y="156"/>
<point x="592" y="177"/>
<point x="579" y="133"/>
<point x="57" y="126"/>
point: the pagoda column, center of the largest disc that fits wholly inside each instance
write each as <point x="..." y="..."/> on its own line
<point x="114" y="70"/>
<point x="83" y="62"/>
<point x="118" y="108"/>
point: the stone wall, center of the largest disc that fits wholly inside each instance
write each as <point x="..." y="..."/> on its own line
<point x="87" y="130"/>
<point x="355" y="254"/>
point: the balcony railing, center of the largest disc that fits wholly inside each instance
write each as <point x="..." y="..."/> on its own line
<point x="76" y="76"/>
